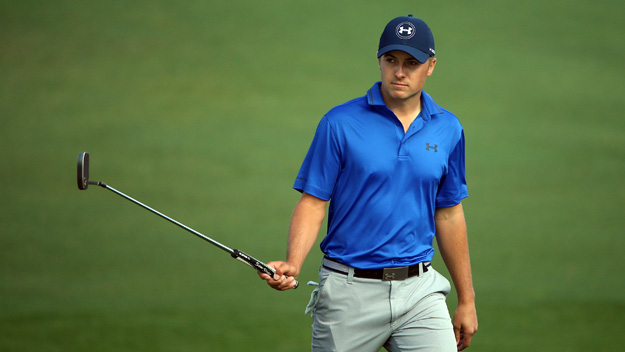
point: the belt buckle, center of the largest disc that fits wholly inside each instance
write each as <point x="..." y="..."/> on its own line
<point x="391" y="274"/>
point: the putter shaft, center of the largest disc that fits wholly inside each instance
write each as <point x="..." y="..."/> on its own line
<point x="198" y="234"/>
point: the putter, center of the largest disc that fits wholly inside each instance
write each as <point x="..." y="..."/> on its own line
<point x="83" y="184"/>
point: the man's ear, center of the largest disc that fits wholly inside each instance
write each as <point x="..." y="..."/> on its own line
<point x="431" y="63"/>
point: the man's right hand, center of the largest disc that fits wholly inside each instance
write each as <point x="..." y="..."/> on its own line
<point x="284" y="277"/>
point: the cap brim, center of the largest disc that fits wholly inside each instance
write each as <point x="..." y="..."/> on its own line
<point x="417" y="54"/>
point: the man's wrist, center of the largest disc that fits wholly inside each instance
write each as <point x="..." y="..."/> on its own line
<point x="296" y="266"/>
<point x="466" y="298"/>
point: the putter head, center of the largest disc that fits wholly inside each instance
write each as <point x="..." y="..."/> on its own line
<point x="83" y="171"/>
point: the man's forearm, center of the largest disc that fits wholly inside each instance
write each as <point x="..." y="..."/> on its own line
<point x="304" y="228"/>
<point x="451" y="236"/>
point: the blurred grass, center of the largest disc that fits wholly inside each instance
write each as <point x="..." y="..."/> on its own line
<point x="204" y="111"/>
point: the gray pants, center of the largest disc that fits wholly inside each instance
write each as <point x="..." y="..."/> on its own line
<point x="354" y="314"/>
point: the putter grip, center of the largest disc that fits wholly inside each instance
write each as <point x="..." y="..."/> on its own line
<point x="255" y="263"/>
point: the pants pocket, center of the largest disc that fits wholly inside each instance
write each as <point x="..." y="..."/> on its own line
<point x="314" y="295"/>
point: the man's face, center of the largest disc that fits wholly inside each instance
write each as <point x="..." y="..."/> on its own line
<point x="403" y="77"/>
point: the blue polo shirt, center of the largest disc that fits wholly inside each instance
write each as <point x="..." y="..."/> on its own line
<point x="383" y="184"/>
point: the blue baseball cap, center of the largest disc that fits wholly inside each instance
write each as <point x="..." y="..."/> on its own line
<point x="408" y="34"/>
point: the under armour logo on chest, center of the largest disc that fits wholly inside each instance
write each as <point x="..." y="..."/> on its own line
<point x="428" y="147"/>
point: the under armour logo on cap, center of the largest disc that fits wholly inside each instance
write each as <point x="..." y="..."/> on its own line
<point x="405" y="30"/>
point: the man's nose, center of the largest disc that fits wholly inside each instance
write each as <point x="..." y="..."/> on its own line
<point x="399" y="71"/>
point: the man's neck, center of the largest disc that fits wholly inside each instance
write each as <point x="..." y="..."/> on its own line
<point x="406" y="110"/>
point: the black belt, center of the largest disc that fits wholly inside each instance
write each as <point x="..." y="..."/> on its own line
<point x="385" y="274"/>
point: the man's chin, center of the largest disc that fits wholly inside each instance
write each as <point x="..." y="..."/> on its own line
<point x="401" y="95"/>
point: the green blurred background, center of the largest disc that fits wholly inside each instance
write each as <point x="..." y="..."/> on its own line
<point x="205" y="109"/>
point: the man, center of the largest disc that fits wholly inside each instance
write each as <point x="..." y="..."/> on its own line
<point x="391" y="164"/>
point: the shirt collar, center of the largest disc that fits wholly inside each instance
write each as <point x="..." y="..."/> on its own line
<point x="429" y="108"/>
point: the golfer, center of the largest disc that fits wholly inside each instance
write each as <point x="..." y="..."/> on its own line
<point x="391" y="166"/>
